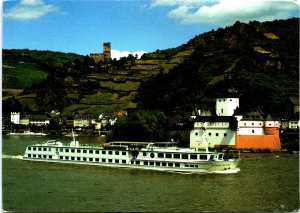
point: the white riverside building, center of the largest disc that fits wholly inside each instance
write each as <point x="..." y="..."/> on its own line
<point x="230" y="129"/>
<point x="226" y="106"/>
<point x="15" y="117"/>
<point x="214" y="130"/>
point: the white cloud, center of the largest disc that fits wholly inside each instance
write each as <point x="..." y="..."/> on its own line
<point x="138" y="53"/>
<point x="226" y="12"/>
<point x="158" y="3"/>
<point x="119" y="54"/>
<point x="30" y="9"/>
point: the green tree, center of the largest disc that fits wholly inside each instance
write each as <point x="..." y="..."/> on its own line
<point x="142" y="125"/>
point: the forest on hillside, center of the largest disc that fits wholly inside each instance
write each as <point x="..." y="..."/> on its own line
<point x="259" y="61"/>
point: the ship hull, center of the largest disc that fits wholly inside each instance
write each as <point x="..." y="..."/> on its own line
<point x="138" y="156"/>
<point x="219" y="167"/>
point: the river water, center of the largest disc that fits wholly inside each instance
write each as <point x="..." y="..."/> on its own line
<point x="267" y="182"/>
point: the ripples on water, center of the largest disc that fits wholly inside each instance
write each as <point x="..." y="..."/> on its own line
<point x="12" y="157"/>
<point x="267" y="182"/>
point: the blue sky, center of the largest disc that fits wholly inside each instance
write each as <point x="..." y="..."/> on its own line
<point x="81" y="26"/>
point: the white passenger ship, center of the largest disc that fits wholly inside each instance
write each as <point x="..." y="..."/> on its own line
<point x="150" y="156"/>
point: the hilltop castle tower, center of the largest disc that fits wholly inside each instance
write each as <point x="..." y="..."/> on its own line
<point x="105" y="56"/>
<point x="106" y="52"/>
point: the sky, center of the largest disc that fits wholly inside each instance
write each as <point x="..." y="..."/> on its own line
<point x="131" y="26"/>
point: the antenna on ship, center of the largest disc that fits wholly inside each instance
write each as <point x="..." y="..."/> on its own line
<point x="74" y="142"/>
<point x="73" y="136"/>
<point x="206" y="145"/>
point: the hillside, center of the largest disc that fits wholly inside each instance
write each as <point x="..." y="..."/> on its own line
<point x="259" y="60"/>
<point x="76" y="84"/>
<point x="22" y="68"/>
<point x="21" y="75"/>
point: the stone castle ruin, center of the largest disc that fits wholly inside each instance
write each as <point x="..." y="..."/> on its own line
<point x="103" y="57"/>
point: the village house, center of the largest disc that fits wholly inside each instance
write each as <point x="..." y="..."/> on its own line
<point x="15" y="117"/>
<point x="35" y="120"/>
<point x="97" y="125"/>
<point x="81" y="122"/>
<point x="25" y="121"/>
<point x="39" y="120"/>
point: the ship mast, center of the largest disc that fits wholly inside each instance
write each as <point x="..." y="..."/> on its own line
<point x="206" y="145"/>
<point x="74" y="142"/>
<point x="73" y="136"/>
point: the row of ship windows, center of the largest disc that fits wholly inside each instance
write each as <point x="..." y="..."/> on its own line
<point x="177" y="156"/>
<point x="78" y="151"/>
<point x="104" y="152"/>
<point x="39" y="149"/>
<point x="76" y="158"/>
<point x="40" y="156"/>
<point x="152" y="155"/>
<point x="92" y="159"/>
<point x="145" y="163"/>
<point x="164" y="164"/>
